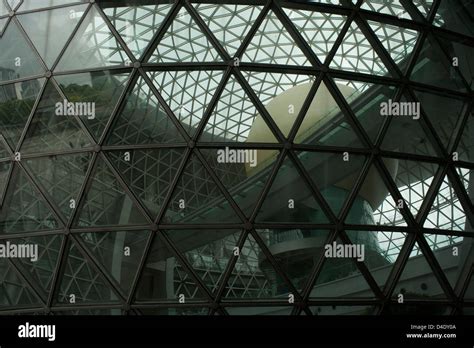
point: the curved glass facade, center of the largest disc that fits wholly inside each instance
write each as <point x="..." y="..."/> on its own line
<point x="236" y="157"/>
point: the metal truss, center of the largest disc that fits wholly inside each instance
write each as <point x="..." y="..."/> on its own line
<point x="174" y="62"/>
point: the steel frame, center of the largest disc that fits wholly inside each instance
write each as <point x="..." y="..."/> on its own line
<point x="323" y="74"/>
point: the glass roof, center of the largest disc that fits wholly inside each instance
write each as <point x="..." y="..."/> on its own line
<point x="300" y="83"/>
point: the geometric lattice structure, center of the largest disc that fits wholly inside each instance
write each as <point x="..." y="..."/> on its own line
<point x="196" y="157"/>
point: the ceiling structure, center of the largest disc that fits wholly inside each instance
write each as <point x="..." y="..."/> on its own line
<point x="174" y="81"/>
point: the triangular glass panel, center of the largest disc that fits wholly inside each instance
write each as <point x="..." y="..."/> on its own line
<point x="389" y="244"/>
<point x="207" y="251"/>
<point x="15" y="3"/>
<point x="413" y="180"/>
<point x="18" y="59"/>
<point x="465" y="148"/>
<point x="388" y="214"/>
<point x="333" y="176"/>
<point x="99" y="91"/>
<point x="5" y="168"/>
<point x="456" y="16"/>
<point x="4" y="150"/>
<point x="28" y="5"/>
<point x="424" y="6"/>
<point x="447" y="213"/>
<point x="272" y="44"/>
<point x="106" y="203"/>
<point x="467" y="179"/>
<point x="432" y="58"/>
<point x="50" y="39"/>
<point x="373" y="204"/>
<point x="469" y="294"/>
<point x="320" y="30"/>
<point x="229" y="23"/>
<point x="357" y="54"/>
<point x="184" y="42"/>
<point x="142" y="120"/>
<point x="197" y="198"/>
<point x="296" y="250"/>
<point x="62" y="178"/>
<point x="15" y="292"/>
<point x="52" y="128"/>
<point x="392" y="7"/>
<point x="24" y="210"/>
<point x="253" y="276"/>
<point x="380" y="251"/>
<point x="149" y="173"/>
<point x="243" y="172"/>
<point x="462" y="55"/>
<point x="417" y="280"/>
<point x="399" y="42"/>
<point x="282" y="94"/>
<point x="17" y="102"/>
<point x="80" y="282"/>
<point x="290" y="199"/>
<point x="119" y="253"/>
<point x="236" y="119"/>
<point x="93" y="46"/>
<point x="42" y="266"/>
<point x="405" y="132"/>
<point x="453" y="254"/>
<point x="4" y="9"/>
<point x="365" y="100"/>
<point x="136" y="24"/>
<point x="444" y="113"/>
<point x="113" y="310"/>
<point x="340" y="276"/>
<point x="188" y="94"/>
<point x="3" y="25"/>
<point x="325" y="123"/>
<point x="164" y="277"/>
